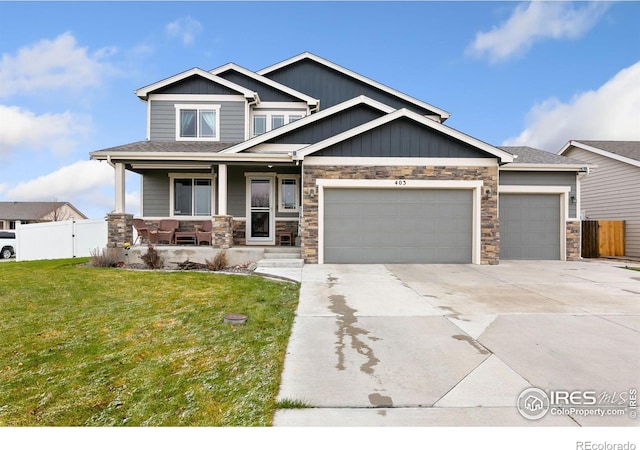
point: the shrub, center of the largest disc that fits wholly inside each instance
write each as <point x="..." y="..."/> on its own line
<point x="107" y="257"/>
<point x="152" y="258"/>
<point x="219" y="261"/>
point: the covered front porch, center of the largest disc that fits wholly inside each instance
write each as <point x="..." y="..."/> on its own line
<point x="249" y="200"/>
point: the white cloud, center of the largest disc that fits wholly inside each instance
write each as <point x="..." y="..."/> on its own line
<point x="533" y="22"/>
<point x="24" y="130"/>
<point x="82" y="178"/>
<point x="53" y="64"/>
<point x="185" y="28"/>
<point x="612" y="112"/>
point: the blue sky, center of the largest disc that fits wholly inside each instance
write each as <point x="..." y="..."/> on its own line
<point x="510" y="73"/>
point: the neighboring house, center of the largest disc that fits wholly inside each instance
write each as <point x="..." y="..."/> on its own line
<point x="358" y="171"/>
<point x="611" y="191"/>
<point x="14" y="213"/>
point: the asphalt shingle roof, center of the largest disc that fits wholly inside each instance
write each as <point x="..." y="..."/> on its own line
<point x="530" y="155"/>
<point x="628" y="149"/>
<point x="169" y="146"/>
<point x="27" y="210"/>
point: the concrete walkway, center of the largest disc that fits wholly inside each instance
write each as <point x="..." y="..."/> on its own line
<point x="449" y="345"/>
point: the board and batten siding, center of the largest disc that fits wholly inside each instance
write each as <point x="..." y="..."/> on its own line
<point x="329" y="126"/>
<point x="611" y="191"/>
<point x="403" y="138"/>
<point x="332" y="87"/>
<point x="163" y="120"/>
<point x="526" y="178"/>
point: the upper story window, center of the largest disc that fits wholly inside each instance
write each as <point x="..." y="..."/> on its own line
<point x="197" y="122"/>
<point x="270" y="121"/>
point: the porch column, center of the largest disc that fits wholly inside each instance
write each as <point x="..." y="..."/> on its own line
<point x="222" y="189"/>
<point x="120" y="188"/>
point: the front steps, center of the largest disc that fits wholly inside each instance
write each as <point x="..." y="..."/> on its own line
<point x="281" y="257"/>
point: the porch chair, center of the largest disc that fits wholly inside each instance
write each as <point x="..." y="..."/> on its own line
<point x="166" y="230"/>
<point x="205" y="232"/>
<point x="143" y="231"/>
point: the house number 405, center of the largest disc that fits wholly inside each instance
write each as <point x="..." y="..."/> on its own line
<point x="401" y="182"/>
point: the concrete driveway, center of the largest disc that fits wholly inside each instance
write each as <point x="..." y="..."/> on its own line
<point x="448" y="345"/>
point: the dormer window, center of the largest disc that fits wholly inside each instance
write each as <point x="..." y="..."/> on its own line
<point x="197" y="122"/>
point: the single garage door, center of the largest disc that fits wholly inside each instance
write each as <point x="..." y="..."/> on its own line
<point x="529" y="226"/>
<point x="397" y="225"/>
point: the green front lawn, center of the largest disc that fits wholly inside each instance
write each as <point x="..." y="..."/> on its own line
<point x="90" y="346"/>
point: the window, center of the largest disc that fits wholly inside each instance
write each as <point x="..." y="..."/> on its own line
<point x="288" y="193"/>
<point x="277" y="121"/>
<point x="192" y="195"/>
<point x="259" y="125"/>
<point x="197" y="122"/>
<point x="263" y="123"/>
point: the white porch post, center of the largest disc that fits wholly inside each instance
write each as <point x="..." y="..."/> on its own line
<point x="222" y="189"/>
<point x="120" y="188"/>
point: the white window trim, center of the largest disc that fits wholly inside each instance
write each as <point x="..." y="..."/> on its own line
<point x="282" y="177"/>
<point x="268" y="114"/>
<point x="173" y="176"/>
<point x="197" y="106"/>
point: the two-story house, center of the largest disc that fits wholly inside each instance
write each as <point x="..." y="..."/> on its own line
<point x="357" y="171"/>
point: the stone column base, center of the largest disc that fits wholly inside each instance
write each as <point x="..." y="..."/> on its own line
<point x="222" y="235"/>
<point x="119" y="229"/>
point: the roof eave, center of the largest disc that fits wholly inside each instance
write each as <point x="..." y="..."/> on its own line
<point x="547" y="167"/>
<point x="190" y="156"/>
<point x="313" y="103"/>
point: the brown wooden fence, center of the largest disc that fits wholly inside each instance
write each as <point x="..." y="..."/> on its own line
<point x="602" y="238"/>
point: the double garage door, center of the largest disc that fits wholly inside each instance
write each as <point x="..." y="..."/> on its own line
<point x="432" y="226"/>
<point x="398" y="225"/>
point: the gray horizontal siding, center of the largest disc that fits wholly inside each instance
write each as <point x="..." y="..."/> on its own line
<point x="611" y="190"/>
<point x="265" y="92"/>
<point x="403" y="138"/>
<point x="333" y="87"/>
<point x="196" y="85"/>
<point x="632" y="238"/>
<point x="329" y="126"/>
<point x="155" y="194"/>
<point x="526" y="178"/>
<point x="163" y="120"/>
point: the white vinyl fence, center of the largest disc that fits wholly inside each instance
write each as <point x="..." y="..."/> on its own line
<point x="56" y="240"/>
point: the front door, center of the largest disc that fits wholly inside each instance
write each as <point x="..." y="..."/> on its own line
<point x="260" y="218"/>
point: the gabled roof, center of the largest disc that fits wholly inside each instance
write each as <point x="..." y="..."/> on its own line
<point x="144" y="92"/>
<point x="505" y="157"/>
<point x="313" y="103"/>
<point x="529" y="158"/>
<point x="32" y="210"/>
<point x="623" y="151"/>
<point x="306" y="55"/>
<point x="360" y="100"/>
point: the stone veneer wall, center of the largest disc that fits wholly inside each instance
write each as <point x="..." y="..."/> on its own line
<point x="490" y="245"/>
<point x="119" y="229"/>
<point x="240" y="230"/>
<point x="222" y="235"/>
<point x="574" y="244"/>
